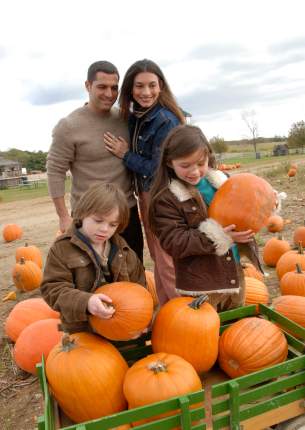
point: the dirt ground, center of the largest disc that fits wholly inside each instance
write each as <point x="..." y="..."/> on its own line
<point x="20" y="396"/>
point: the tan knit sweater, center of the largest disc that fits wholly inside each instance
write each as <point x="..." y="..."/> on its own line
<point x="78" y="146"/>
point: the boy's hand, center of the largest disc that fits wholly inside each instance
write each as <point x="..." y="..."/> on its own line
<point x="98" y="305"/>
<point x="239" y="236"/>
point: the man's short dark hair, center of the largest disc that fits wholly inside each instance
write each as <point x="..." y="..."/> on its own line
<point x="101" y="66"/>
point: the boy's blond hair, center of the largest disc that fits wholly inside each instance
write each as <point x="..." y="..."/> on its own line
<point x="100" y="199"/>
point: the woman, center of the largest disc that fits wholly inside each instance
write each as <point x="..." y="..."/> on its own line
<point x="148" y="104"/>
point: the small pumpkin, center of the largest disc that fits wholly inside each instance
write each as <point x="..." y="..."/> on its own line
<point x="159" y="377"/>
<point x="299" y="235"/>
<point x="12" y="232"/>
<point x="287" y="261"/>
<point x="31" y="253"/>
<point x="189" y="328"/>
<point x="256" y="292"/>
<point x="291" y="173"/>
<point x="275" y="224"/>
<point x="293" y="283"/>
<point x="133" y="311"/>
<point x="86" y="373"/>
<point x="274" y="248"/>
<point x="245" y="200"/>
<point x="291" y="307"/>
<point x="26" y="312"/>
<point x="249" y="345"/>
<point x="251" y="271"/>
<point x="36" y="339"/>
<point x="151" y="286"/>
<point x="27" y="276"/>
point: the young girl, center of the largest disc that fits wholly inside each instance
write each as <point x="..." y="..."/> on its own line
<point x="148" y="104"/>
<point x="205" y="254"/>
<point x="91" y="253"/>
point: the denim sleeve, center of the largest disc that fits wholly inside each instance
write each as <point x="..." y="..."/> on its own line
<point x="147" y="166"/>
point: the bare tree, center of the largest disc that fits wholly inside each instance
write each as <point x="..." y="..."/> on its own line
<point x="249" y="117"/>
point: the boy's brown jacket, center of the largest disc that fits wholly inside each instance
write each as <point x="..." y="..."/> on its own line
<point x="72" y="274"/>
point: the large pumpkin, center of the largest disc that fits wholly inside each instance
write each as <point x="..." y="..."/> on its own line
<point x="27" y="276"/>
<point x="255" y="292"/>
<point x="293" y="283"/>
<point x="188" y="328"/>
<point x="12" y="232"/>
<point x="31" y="253"/>
<point x="291" y="307"/>
<point x="245" y="200"/>
<point x="36" y="339"/>
<point x="273" y="250"/>
<point x="251" y="344"/>
<point x="86" y="374"/>
<point x="287" y="262"/>
<point x="133" y="311"/>
<point x="159" y="377"/>
<point x="25" y="313"/>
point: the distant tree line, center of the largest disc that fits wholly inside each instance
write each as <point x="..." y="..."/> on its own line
<point x="30" y="160"/>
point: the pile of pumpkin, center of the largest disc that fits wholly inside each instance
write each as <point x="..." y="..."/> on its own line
<point x="230" y="166"/>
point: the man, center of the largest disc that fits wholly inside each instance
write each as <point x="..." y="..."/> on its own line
<point x="78" y="146"/>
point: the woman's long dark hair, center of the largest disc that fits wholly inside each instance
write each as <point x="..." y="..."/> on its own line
<point x="166" y="97"/>
<point x="181" y="141"/>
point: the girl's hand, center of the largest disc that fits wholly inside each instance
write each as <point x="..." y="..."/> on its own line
<point x="239" y="236"/>
<point x="98" y="306"/>
<point x="116" y="145"/>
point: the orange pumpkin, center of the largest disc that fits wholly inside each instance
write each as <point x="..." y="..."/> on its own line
<point x="251" y="271"/>
<point x="275" y="223"/>
<point x="287" y="262"/>
<point x="291" y="172"/>
<point x="256" y="292"/>
<point x="293" y="283"/>
<point x="151" y="286"/>
<point x="299" y="235"/>
<point x="291" y="307"/>
<point x="251" y="344"/>
<point x="86" y="374"/>
<point x="26" y="312"/>
<point x="159" y="377"/>
<point x="274" y="248"/>
<point x="36" y="339"/>
<point x="31" y="253"/>
<point x="27" y="276"/>
<point x="245" y="200"/>
<point x="133" y="311"/>
<point x="188" y="328"/>
<point x="12" y="232"/>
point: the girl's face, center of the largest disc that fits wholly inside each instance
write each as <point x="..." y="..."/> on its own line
<point x="146" y="89"/>
<point x="191" y="168"/>
<point x="99" y="228"/>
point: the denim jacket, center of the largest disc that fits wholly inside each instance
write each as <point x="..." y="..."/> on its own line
<point x="151" y="130"/>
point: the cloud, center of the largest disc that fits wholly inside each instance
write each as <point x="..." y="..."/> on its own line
<point x="215" y="51"/>
<point x="3" y="52"/>
<point x="295" y="44"/>
<point x="40" y="95"/>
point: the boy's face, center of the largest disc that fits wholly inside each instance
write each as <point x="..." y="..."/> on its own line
<point x="100" y="228"/>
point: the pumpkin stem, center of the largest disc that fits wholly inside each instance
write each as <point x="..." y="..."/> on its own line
<point x="67" y="343"/>
<point x="298" y="268"/>
<point x="22" y="260"/>
<point x="195" y="304"/>
<point x="280" y="236"/>
<point x="300" y="248"/>
<point x="157" y="366"/>
<point x="26" y="244"/>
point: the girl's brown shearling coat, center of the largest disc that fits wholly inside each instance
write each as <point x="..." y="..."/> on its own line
<point x="72" y="275"/>
<point x="200" y="249"/>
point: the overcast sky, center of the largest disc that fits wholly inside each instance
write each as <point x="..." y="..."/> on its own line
<point x="221" y="58"/>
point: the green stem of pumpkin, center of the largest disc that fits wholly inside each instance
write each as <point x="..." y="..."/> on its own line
<point x="67" y="343"/>
<point x="157" y="367"/>
<point x="195" y="304"/>
<point x="298" y="268"/>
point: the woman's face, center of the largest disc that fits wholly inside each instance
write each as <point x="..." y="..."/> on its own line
<point x="146" y="89"/>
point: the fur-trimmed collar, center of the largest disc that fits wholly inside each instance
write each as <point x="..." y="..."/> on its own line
<point x="215" y="177"/>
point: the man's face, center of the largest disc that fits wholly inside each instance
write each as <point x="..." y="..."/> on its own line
<point x="103" y="92"/>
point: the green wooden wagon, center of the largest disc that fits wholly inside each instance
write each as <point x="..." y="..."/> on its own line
<point x="252" y="402"/>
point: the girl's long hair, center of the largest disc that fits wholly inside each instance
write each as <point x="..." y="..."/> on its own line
<point x="182" y="141"/>
<point x="166" y="97"/>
